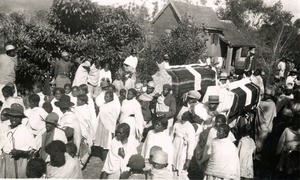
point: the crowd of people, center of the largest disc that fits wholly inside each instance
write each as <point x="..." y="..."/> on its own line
<point x="142" y="133"/>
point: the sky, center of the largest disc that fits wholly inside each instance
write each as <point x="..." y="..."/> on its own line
<point x="292" y="6"/>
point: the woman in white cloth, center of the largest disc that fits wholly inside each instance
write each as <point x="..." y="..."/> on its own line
<point x="107" y="118"/>
<point x="184" y="144"/>
<point x="224" y="160"/>
<point x="131" y="113"/>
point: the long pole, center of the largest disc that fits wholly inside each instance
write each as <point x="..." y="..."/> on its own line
<point x="15" y="161"/>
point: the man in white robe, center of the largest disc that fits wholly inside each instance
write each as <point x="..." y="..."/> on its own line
<point x="81" y="75"/>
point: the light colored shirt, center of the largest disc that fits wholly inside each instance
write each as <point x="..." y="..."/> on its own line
<point x="8" y="66"/>
<point x="20" y="138"/>
<point x="81" y="76"/>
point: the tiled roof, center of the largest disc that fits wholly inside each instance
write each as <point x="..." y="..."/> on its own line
<point x="199" y="14"/>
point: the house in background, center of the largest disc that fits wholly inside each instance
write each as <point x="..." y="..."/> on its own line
<point x="223" y="38"/>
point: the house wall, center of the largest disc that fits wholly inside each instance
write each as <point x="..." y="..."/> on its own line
<point x="167" y="20"/>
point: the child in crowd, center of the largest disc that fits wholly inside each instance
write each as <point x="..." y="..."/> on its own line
<point x="122" y="95"/>
<point x="246" y="148"/>
<point x="183" y="143"/>
<point x="71" y="149"/>
<point x="105" y="74"/>
<point x="136" y="164"/>
<point x="67" y="89"/>
<point x="159" y="166"/>
<point x="118" y="83"/>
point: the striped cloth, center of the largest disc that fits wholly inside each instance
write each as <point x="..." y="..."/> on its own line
<point x="184" y="80"/>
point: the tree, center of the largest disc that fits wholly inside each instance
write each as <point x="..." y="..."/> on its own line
<point x="100" y="32"/>
<point x="184" y="45"/>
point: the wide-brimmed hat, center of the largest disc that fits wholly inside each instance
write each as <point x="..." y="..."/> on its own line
<point x="223" y="75"/>
<point x="9" y="47"/>
<point x="64" y="102"/>
<point x="194" y="94"/>
<point x="213" y="99"/>
<point x="14" y="113"/>
<point x="52" y="118"/>
<point x="136" y="162"/>
<point x="18" y="107"/>
<point x="160" y="157"/>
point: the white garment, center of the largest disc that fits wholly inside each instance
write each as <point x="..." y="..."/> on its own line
<point x="131" y="113"/>
<point x="131" y="61"/>
<point x="81" y="76"/>
<point x="11" y="100"/>
<point x="69" y="119"/>
<point x="104" y="75"/>
<point x="21" y="138"/>
<point x="94" y="76"/>
<point x="281" y="67"/>
<point x="42" y="99"/>
<point x="113" y="162"/>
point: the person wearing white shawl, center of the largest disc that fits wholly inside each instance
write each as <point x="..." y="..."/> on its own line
<point x="84" y="116"/>
<point x="83" y="89"/>
<point x="121" y="149"/>
<point x="224" y="160"/>
<point x="108" y="116"/>
<point x="81" y="75"/>
<point x="131" y="113"/>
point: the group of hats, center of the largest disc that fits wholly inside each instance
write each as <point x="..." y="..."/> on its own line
<point x="213" y="99"/>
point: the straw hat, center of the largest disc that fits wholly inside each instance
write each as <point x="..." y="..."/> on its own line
<point x="9" y="47"/>
<point x="194" y="94"/>
<point x="213" y="99"/>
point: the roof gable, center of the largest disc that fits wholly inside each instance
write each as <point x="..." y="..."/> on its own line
<point x="201" y="15"/>
<point x="233" y="36"/>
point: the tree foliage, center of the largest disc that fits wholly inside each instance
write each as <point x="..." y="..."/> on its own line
<point x="184" y="45"/>
<point x="80" y="27"/>
<point x="269" y="27"/>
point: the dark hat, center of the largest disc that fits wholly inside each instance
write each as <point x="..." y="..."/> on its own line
<point x="166" y="57"/>
<point x="18" y="107"/>
<point x="214" y="99"/>
<point x="14" y="113"/>
<point x="136" y="162"/>
<point x="52" y="118"/>
<point x="167" y="86"/>
<point x="64" y="102"/>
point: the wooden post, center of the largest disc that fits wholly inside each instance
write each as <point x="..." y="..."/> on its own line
<point x="228" y="60"/>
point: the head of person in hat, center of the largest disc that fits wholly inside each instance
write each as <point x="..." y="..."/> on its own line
<point x="166" y="58"/>
<point x="65" y="55"/>
<point x="213" y="102"/>
<point x="51" y="121"/>
<point x="166" y="89"/>
<point x="193" y="96"/>
<point x="64" y="103"/>
<point x="150" y="87"/>
<point x="15" y="116"/>
<point x="160" y="159"/>
<point x="10" y="50"/>
<point x="223" y="77"/>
